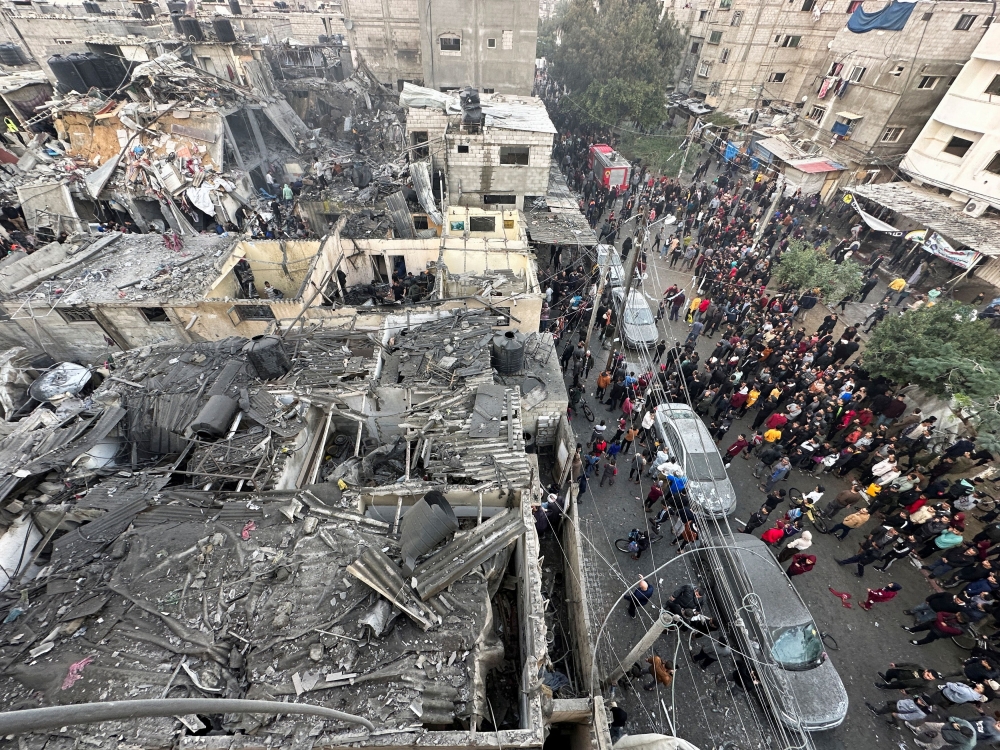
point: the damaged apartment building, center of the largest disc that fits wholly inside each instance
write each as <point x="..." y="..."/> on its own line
<point x="332" y="516"/>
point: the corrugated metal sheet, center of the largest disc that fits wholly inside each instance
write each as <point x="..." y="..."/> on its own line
<point x="929" y="210"/>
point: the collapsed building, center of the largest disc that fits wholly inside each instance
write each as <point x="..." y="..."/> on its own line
<point x="341" y="515"/>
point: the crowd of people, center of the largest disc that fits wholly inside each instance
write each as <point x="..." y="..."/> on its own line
<point x="801" y="406"/>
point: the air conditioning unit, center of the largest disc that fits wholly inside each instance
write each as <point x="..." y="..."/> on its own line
<point x="975" y="207"/>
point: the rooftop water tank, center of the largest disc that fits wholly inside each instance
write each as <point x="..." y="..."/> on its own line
<point x="266" y="354"/>
<point x="223" y="29"/>
<point x="215" y="417"/>
<point x="67" y="76"/>
<point x="234" y="8"/>
<point x="191" y="29"/>
<point x="507" y="355"/>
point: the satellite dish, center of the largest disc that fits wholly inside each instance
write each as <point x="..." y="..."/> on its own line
<point x="348" y="24"/>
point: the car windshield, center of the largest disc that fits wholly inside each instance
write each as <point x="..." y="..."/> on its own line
<point x="704" y="467"/>
<point x="797" y="647"/>
<point x="639" y="316"/>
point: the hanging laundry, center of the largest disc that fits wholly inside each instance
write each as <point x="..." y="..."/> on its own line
<point x="841" y="89"/>
<point x="837" y="67"/>
<point x="824" y="87"/>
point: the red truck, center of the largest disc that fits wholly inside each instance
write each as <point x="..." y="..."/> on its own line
<point x="609" y="166"/>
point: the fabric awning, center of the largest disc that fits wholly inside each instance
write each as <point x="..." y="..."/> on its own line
<point x="849" y="115"/>
<point x="812" y="166"/>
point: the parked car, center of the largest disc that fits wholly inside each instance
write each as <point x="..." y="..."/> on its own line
<point x="767" y="619"/>
<point x="616" y="273"/>
<point x="638" y="324"/>
<point x="691" y="443"/>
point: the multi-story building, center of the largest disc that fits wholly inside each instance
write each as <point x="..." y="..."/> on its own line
<point x="501" y="163"/>
<point x="958" y="149"/>
<point x="861" y="84"/>
<point x="447" y="44"/>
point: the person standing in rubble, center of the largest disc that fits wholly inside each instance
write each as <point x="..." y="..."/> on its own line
<point x="287" y="195"/>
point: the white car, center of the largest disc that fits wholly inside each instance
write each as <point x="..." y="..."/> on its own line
<point x="690" y="442"/>
<point x="638" y="324"/>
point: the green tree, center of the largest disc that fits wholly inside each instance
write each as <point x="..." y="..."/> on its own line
<point x="945" y="352"/>
<point x="803" y="267"/>
<point x="616" y="57"/>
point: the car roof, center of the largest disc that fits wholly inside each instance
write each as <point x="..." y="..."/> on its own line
<point x="635" y="299"/>
<point x="780" y="601"/>
<point x="692" y="430"/>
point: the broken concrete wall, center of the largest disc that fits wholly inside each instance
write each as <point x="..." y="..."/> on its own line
<point x="576" y="598"/>
<point x="285" y="264"/>
<point x="479" y="172"/>
<point x="430" y="125"/>
<point x="50" y="205"/>
<point x="184" y="133"/>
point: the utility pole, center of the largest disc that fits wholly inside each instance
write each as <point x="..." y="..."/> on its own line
<point x="778" y="190"/>
<point x="661" y="623"/>
<point x="630" y="263"/>
<point x="597" y="296"/>
<point x="695" y="130"/>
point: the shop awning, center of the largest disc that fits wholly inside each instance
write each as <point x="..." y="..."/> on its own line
<point x="877" y="224"/>
<point x="926" y="209"/>
<point x="812" y="166"/>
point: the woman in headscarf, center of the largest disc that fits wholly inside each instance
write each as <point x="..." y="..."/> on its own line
<point x="801" y="544"/>
<point x="801" y="563"/>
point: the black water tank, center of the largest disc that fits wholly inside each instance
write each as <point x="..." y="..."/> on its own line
<point x="508" y="352"/>
<point x="215" y="417"/>
<point x="338" y="70"/>
<point x="66" y="74"/>
<point x="234" y="8"/>
<point x="88" y="72"/>
<point x="176" y="6"/>
<point x="109" y="69"/>
<point x="10" y="54"/>
<point x="91" y="7"/>
<point x="223" y="29"/>
<point x="191" y="29"/>
<point x="266" y="355"/>
<point x="324" y="39"/>
<point x="146" y="10"/>
<point x="175" y="19"/>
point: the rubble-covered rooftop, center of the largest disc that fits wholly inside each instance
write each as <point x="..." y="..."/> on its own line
<point x="119" y="268"/>
<point x="233" y="519"/>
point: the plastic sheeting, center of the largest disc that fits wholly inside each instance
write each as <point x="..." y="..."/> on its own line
<point x="652" y="742"/>
<point x="893" y="17"/>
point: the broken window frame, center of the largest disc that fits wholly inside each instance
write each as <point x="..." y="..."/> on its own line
<point x="514" y="156"/>
<point x="154" y="314"/>
<point x="76" y="314"/>
<point x="958" y="146"/>
<point x="482" y="223"/>
<point x="454" y="44"/>
<point x="250" y="314"/>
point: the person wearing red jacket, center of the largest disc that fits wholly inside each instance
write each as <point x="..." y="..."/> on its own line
<point x="945" y="625"/>
<point x="885" y="594"/>
<point x="801" y="563"/>
<point x="776" y="421"/>
<point x="735" y="449"/>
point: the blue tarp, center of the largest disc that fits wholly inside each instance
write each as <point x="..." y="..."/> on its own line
<point x="731" y="151"/>
<point x="892" y="17"/>
<point x="840" y="128"/>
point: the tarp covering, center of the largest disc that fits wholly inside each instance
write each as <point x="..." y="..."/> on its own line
<point x="877" y="224"/>
<point x="892" y="17"/>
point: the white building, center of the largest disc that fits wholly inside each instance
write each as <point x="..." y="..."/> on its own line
<point x="958" y="150"/>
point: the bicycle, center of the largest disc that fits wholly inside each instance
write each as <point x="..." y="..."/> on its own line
<point x="587" y="411"/>
<point x="969" y="638"/>
<point x="829" y="641"/>
<point x="638" y="542"/>
<point x="809" y="510"/>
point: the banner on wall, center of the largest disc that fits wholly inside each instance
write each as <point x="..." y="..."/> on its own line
<point x="938" y="245"/>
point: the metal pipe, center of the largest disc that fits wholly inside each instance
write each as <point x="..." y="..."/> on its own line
<point x="53" y="717"/>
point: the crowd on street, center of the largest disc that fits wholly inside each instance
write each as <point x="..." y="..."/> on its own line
<point x="793" y="401"/>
